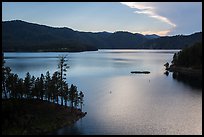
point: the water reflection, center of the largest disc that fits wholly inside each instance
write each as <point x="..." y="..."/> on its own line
<point x="166" y="73"/>
<point x="191" y="81"/>
<point x="71" y="130"/>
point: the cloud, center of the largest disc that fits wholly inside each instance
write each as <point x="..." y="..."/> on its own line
<point x="160" y="33"/>
<point x="143" y="8"/>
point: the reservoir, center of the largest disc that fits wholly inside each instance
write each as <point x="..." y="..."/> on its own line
<point x="116" y="101"/>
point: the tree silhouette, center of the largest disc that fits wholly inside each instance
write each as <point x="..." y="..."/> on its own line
<point x="62" y="66"/>
<point x="20" y="88"/>
<point x="48" y="89"/>
<point x="37" y="88"/>
<point x="189" y="57"/>
<point x="55" y="86"/>
<point x="81" y="99"/>
<point x="27" y="85"/>
<point x="32" y="86"/>
<point x="43" y="87"/>
<point x="13" y="82"/>
<point x="3" y="76"/>
<point x="73" y="95"/>
<point x="66" y="93"/>
<point x="9" y="77"/>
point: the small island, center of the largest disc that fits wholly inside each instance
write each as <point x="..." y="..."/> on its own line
<point x="140" y="72"/>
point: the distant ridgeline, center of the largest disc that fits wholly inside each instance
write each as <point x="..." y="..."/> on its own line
<point x="23" y="36"/>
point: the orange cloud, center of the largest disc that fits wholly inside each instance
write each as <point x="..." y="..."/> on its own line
<point x="160" y="33"/>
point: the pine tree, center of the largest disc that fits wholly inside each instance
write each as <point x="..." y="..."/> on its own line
<point x="48" y="89"/>
<point x="73" y="96"/>
<point x="20" y="88"/>
<point x="55" y="86"/>
<point x="62" y="66"/>
<point x="81" y="99"/>
<point x="41" y="86"/>
<point x="66" y="93"/>
<point x="32" y="86"/>
<point x="27" y="85"/>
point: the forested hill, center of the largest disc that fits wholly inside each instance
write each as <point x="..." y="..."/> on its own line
<point x="23" y="36"/>
<point x="19" y="35"/>
<point x="189" y="57"/>
<point x="173" y="42"/>
<point x="187" y="65"/>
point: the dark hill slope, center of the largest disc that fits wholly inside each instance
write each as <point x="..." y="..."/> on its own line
<point x="19" y="35"/>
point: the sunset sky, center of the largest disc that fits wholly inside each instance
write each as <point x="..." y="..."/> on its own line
<point x="161" y="18"/>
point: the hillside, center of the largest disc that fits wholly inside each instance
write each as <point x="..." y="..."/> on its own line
<point x="19" y="35"/>
<point x="190" y="57"/>
<point x="173" y="42"/>
<point x="23" y="36"/>
<point x="187" y="65"/>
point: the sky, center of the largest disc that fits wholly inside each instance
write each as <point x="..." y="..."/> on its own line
<point x="161" y="18"/>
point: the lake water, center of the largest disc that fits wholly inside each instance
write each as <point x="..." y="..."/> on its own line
<point x="116" y="101"/>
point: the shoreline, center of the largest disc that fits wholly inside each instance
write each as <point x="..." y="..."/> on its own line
<point x="189" y="72"/>
<point x="71" y="51"/>
<point x="36" y="117"/>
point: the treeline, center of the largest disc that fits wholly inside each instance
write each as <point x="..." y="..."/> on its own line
<point x="49" y="47"/>
<point x="189" y="57"/>
<point x="46" y="87"/>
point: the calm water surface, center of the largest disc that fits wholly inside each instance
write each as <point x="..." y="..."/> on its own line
<point x="118" y="102"/>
